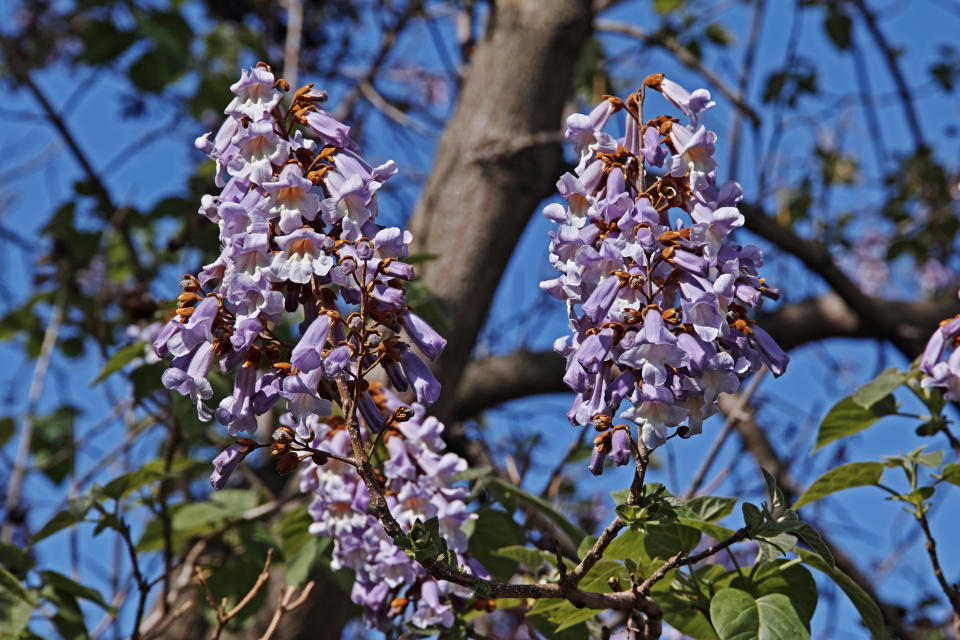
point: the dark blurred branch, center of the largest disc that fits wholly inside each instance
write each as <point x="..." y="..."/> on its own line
<point x="388" y="38"/>
<point x="890" y="55"/>
<point x="109" y="210"/>
<point x="683" y="56"/>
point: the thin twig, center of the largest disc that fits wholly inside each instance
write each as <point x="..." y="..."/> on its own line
<point x="893" y="65"/>
<point x="953" y="595"/>
<point x="286" y="605"/>
<point x="746" y="73"/>
<point x="220" y="610"/>
<point x="19" y="472"/>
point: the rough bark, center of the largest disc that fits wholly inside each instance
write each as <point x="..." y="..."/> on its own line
<point x="498" y="158"/>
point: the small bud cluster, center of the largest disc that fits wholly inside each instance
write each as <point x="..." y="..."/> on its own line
<point x="659" y="309"/>
<point x="418" y="482"/>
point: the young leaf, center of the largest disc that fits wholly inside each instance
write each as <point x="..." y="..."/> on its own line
<point x="119" y="360"/>
<point x="813" y="539"/>
<point x="868" y="609"/>
<point x="951" y="473"/>
<point x="855" y="474"/>
<point x="119" y="487"/>
<point x="847" y="418"/>
<point x="60" y="521"/>
<point x="64" y="584"/>
<point x="879" y="388"/>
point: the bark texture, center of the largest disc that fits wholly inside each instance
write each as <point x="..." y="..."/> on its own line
<point x="499" y="156"/>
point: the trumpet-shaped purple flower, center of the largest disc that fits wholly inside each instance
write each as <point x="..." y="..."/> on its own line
<point x="301" y="257"/>
<point x="291" y="199"/>
<point x="256" y="96"/>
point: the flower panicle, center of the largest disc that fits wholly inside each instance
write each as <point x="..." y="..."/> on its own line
<point x="659" y="296"/>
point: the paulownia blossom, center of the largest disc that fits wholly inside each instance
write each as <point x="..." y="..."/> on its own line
<point x="658" y="295"/>
<point x="940" y="373"/>
<point x="299" y="239"/>
<point x="418" y="478"/>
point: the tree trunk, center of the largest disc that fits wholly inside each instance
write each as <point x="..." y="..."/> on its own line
<point x="499" y="156"/>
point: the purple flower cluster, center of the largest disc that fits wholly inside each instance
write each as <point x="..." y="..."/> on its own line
<point x="658" y="308"/>
<point x="943" y="374"/>
<point x="418" y="481"/>
<point x="296" y="214"/>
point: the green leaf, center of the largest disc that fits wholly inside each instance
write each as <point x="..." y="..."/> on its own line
<point x="734" y="615"/>
<point x="119" y="487"/>
<point x="813" y="539"/>
<point x="752" y="516"/>
<point x="847" y="418"/>
<point x="683" y="614"/>
<point x="567" y="616"/>
<point x="855" y="474"/>
<point x="120" y="359"/>
<point x="774" y="546"/>
<point x="17" y="560"/>
<point x="777" y="502"/>
<point x="532" y="559"/>
<point x="879" y="388"/>
<point x="951" y="473"/>
<point x="11" y="583"/>
<point x="67" y="616"/>
<point x="16" y="608"/>
<point x="53" y="445"/>
<point x="57" y="523"/>
<point x="786" y="577"/>
<point x="585" y="545"/>
<point x="838" y="26"/>
<point x="7" y="428"/>
<point x="504" y="491"/>
<point x="737" y="616"/>
<point x="62" y="583"/>
<point x="715" y="531"/>
<point x="663" y="7"/>
<point x="495" y="530"/>
<point x="472" y="473"/>
<point x="779" y="619"/>
<point x="103" y="42"/>
<point x="299" y="565"/>
<point x="665" y="541"/>
<point x="710" y="508"/>
<point x="719" y="34"/>
<point x="868" y="609"/>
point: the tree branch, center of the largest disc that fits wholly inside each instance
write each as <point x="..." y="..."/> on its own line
<point x="684" y="57"/>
